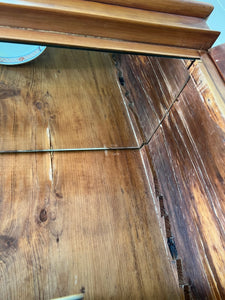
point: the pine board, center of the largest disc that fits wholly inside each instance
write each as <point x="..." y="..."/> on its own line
<point x="64" y="99"/>
<point x="84" y="219"/>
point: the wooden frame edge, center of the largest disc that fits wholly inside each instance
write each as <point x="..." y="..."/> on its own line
<point x="47" y="38"/>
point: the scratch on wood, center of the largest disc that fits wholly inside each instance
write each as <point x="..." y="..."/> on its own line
<point x="51" y="169"/>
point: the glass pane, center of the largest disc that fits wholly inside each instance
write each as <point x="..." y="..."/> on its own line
<point x="77" y="99"/>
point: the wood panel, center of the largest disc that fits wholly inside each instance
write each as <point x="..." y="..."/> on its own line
<point x="150" y="86"/>
<point x="104" y="21"/>
<point x="210" y="85"/>
<point x="64" y="99"/>
<point x="217" y="54"/>
<point x="184" y="7"/>
<point x="187" y="156"/>
<point x="86" y="219"/>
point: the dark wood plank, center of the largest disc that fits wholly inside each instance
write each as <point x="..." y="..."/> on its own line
<point x="187" y="156"/>
<point x="84" y="219"/>
<point x="64" y="99"/>
<point x="218" y="56"/>
<point x="150" y="86"/>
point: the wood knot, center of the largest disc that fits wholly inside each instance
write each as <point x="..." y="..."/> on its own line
<point x="59" y="195"/>
<point x="38" y="105"/>
<point x="7" y="242"/>
<point x="8" y="91"/>
<point x="43" y="215"/>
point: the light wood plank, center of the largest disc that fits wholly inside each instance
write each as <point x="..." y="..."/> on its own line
<point x="64" y="99"/>
<point x="209" y="83"/>
<point x="80" y="219"/>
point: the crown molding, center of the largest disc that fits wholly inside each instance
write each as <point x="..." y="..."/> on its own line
<point x="90" y="24"/>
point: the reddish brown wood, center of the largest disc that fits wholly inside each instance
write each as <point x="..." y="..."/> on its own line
<point x="187" y="156"/>
<point x="92" y="217"/>
<point x="84" y="23"/>
<point x="218" y="56"/>
<point x="150" y="85"/>
<point x="184" y="7"/>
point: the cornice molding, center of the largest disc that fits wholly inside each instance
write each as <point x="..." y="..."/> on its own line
<point x="90" y="24"/>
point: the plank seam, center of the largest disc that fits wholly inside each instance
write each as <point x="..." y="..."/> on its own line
<point x="169" y="235"/>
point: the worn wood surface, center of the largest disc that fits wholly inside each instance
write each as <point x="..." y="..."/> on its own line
<point x="103" y="21"/>
<point x="102" y="219"/>
<point x="218" y="56"/>
<point x="187" y="157"/>
<point x="64" y="99"/>
<point x="150" y="86"/>
<point x="86" y="219"/>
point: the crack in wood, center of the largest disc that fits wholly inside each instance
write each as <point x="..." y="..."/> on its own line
<point x="51" y="170"/>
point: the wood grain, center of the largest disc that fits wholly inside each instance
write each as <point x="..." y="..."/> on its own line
<point x="85" y="42"/>
<point x="64" y="99"/>
<point x="210" y="84"/>
<point x="84" y="219"/>
<point x="184" y="7"/>
<point x="150" y="86"/>
<point x="217" y="54"/>
<point x="103" y="220"/>
<point x="87" y="18"/>
<point x="187" y="155"/>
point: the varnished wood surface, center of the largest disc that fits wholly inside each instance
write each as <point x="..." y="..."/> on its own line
<point x="217" y="54"/>
<point x="184" y="7"/>
<point x="187" y="156"/>
<point x="73" y="220"/>
<point x="64" y="99"/>
<point x="102" y="219"/>
<point x="208" y="81"/>
<point x="150" y="86"/>
<point x="85" y="42"/>
<point x="104" y="21"/>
